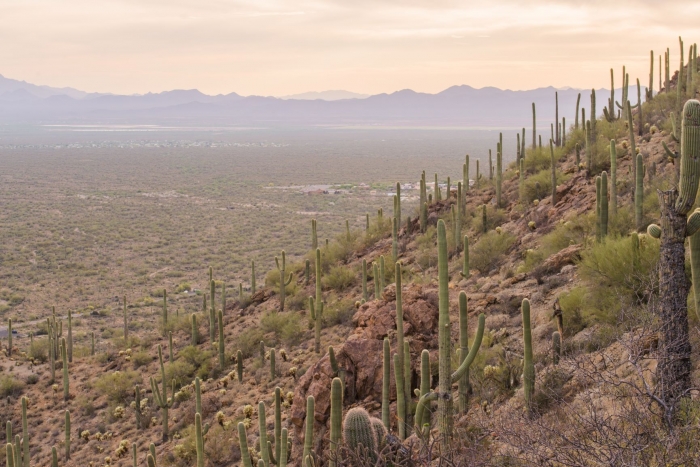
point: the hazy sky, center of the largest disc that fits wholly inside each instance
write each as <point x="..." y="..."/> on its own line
<point x="279" y="47"/>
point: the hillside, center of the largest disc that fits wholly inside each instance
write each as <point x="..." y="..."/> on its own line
<point x="592" y="402"/>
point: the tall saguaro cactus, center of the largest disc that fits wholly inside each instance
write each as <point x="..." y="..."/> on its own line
<point x="554" y="173"/>
<point x="528" y="364"/>
<point x="284" y="281"/>
<point x="161" y="398"/>
<point x="613" y="178"/>
<point x="534" y="128"/>
<point x="639" y="191"/>
<point x="316" y="306"/>
<point x="674" y="365"/>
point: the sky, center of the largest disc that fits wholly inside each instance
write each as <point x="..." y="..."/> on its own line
<point x="281" y="47"/>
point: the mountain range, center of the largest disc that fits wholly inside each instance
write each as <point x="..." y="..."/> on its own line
<point x="460" y="106"/>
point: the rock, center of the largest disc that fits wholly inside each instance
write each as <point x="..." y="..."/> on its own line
<point x="555" y="262"/>
<point x="569" y="268"/>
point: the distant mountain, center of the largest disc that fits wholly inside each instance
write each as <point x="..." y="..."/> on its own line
<point x="462" y="106"/>
<point x="9" y="86"/>
<point x="334" y="95"/>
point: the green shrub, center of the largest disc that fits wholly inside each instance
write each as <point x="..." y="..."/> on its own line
<point x="119" y="385"/>
<point x="426" y="254"/>
<point x="39" y="350"/>
<point x="529" y="190"/>
<point x="573" y="305"/>
<point x="286" y="326"/>
<point x="180" y="371"/>
<point x="249" y="342"/>
<point x="614" y="280"/>
<point x="494" y="218"/>
<point x="339" y="278"/>
<point x="200" y="360"/>
<point x="141" y="358"/>
<point x="10" y="386"/>
<point x="577" y="231"/>
<point x="338" y="312"/>
<point x="489" y="250"/>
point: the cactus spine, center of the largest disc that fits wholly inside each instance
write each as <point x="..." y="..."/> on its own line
<point x="336" y="417"/>
<point x="162" y="399"/>
<point x="358" y="431"/>
<point x="386" y="375"/>
<point x="528" y="364"/>
<point x="309" y="433"/>
<point x="284" y="281"/>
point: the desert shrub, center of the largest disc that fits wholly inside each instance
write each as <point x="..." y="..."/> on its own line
<point x="489" y="250"/>
<point x="32" y="379"/>
<point x="616" y="277"/>
<point x="539" y="185"/>
<point x="180" y="371"/>
<point x="551" y="391"/>
<point x="338" y="312"/>
<point x="339" y="278"/>
<point x="185" y="286"/>
<point x="118" y="385"/>
<point x="494" y="218"/>
<point x="578" y="230"/>
<point x="39" y="350"/>
<point x="249" y="341"/>
<point x="272" y="280"/>
<point x="377" y="230"/>
<point x="573" y="305"/>
<point x="201" y="360"/>
<point x="426" y="254"/>
<point x="286" y="326"/>
<point x="141" y="358"/>
<point x="10" y="386"/>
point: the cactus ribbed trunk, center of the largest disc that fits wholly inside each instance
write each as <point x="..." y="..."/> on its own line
<point x="445" y="415"/>
<point x="463" y="383"/>
<point x="639" y="192"/>
<point x="534" y="128"/>
<point x="528" y="364"/>
<point x="613" y="178"/>
<point x="386" y="383"/>
<point x="554" y="173"/>
<point x="674" y="366"/>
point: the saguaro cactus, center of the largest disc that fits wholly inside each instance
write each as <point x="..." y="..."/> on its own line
<point x="639" y="192"/>
<point x="336" y="417"/>
<point x="463" y="383"/>
<point x="199" y="439"/>
<point x="446" y="376"/>
<point x="365" y="293"/>
<point x="165" y="312"/>
<point x="465" y="259"/>
<point x="243" y="441"/>
<point x="222" y="359"/>
<point x="534" y="128"/>
<point x="161" y="398"/>
<point x="126" y="324"/>
<point x="25" y="435"/>
<point x="386" y="382"/>
<point x="70" y="338"/>
<point x="239" y="365"/>
<point x="316" y="308"/>
<point x="314" y="235"/>
<point x="9" y="337"/>
<point x="528" y="364"/>
<point x="554" y="173"/>
<point x="309" y="431"/>
<point x="674" y="366"/>
<point x="284" y="281"/>
<point x="67" y="434"/>
<point x="358" y="431"/>
<point x="613" y="178"/>
<point x="64" y="357"/>
<point x="400" y="396"/>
